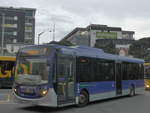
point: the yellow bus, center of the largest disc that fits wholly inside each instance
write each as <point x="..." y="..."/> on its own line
<point x="7" y="64"/>
<point x="147" y="75"/>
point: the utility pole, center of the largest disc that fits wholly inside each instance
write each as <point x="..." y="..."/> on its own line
<point x="54" y="32"/>
<point x="50" y="33"/>
<point x="3" y="33"/>
<point x="90" y="35"/>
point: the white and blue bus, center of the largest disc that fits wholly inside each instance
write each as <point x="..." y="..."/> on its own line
<point x="56" y="76"/>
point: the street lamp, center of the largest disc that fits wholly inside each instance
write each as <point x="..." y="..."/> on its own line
<point x="39" y="36"/>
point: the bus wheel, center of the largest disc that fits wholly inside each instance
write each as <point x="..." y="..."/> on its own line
<point x="132" y="91"/>
<point x="83" y="99"/>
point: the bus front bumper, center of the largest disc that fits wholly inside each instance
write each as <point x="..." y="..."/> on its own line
<point x="49" y="100"/>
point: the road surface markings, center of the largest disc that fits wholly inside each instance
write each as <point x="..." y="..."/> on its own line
<point x="4" y="98"/>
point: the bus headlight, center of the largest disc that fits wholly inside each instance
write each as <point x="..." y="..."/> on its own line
<point x="147" y="86"/>
<point x="44" y="92"/>
<point x="15" y="90"/>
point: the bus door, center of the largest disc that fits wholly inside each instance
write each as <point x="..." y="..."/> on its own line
<point x="118" y="79"/>
<point x="65" y="79"/>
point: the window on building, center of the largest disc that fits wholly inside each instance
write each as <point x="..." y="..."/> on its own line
<point x="10" y="25"/>
<point x="11" y="33"/>
<point x="29" y="13"/>
<point x="29" y="20"/>
<point x="13" y="18"/>
<point x="28" y="28"/>
<point x="28" y="35"/>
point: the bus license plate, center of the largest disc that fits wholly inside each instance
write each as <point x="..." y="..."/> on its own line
<point x="28" y="90"/>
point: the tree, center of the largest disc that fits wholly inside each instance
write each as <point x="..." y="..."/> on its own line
<point x="107" y="47"/>
<point x="65" y="42"/>
<point x="62" y="42"/>
<point x="140" y="49"/>
<point x="53" y="42"/>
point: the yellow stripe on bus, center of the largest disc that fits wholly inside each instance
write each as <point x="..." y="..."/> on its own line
<point x="7" y="58"/>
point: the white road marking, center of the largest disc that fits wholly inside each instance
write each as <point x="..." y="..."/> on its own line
<point x="5" y="96"/>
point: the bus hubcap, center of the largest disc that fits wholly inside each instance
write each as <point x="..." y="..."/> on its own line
<point x="82" y="98"/>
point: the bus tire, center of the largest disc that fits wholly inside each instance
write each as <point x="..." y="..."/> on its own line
<point x="132" y="91"/>
<point x="83" y="99"/>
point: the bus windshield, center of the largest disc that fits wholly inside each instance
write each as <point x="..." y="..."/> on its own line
<point x="31" y="71"/>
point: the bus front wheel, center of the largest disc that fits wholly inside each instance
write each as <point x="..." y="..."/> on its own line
<point x="83" y="99"/>
<point x="132" y="91"/>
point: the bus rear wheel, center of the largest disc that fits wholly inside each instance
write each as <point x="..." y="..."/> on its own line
<point x="83" y="99"/>
<point x="132" y="91"/>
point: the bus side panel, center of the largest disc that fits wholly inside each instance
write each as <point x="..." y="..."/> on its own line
<point x="139" y="85"/>
<point x="99" y="90"/>
<point x="104" y="90"/>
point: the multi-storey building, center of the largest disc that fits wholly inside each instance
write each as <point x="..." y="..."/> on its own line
<point x="17" y="25"/>
<point x="102" y="36"/>
<point x="99" y="33"/>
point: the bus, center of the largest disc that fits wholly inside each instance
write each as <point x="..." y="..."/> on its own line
<point x="147" y="75"/>
<point x="57" y="76"/>
<point x="7" y="64"/>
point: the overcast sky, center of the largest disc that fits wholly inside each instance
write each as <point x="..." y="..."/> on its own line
<point x="131" y="15"/>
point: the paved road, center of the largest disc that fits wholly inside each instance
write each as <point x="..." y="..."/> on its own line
<point x="137" y="104"/>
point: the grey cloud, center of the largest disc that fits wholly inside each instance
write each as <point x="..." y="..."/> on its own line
<point x="61" y="18"/>
<point x="68" y="14"/>
<point x="110" y="8"/>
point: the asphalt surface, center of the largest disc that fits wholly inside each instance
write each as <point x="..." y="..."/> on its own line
<point x="137" y="104"/>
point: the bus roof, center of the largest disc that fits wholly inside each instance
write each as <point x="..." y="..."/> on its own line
<point x="7" y="58"/>
<point x="96" y="53"/>
<point x="90" y="52"/>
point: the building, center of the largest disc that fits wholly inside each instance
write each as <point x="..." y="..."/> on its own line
<point x="102" y="36"/>
<point x="123" y="50"/>
<point x="12" y="49"/>
<point x="99" y="33"/>
<point x="17" y="25"/>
